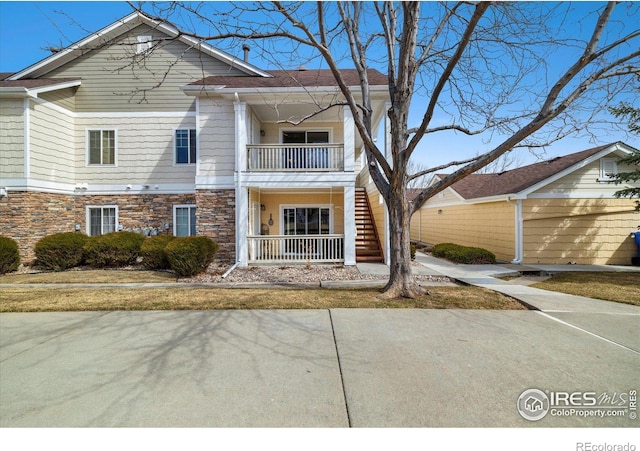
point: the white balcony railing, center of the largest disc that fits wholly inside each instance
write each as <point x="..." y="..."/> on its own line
<point x="295" y="157"/>
<point x="296" y="248"/>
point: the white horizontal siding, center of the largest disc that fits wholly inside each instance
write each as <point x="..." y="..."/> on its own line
<point x="51" y="144"/>
<point x="113" y="80"/>
<point x="145" y="147"/>
<point x="64" y="98"/>
<point x="583" y="180"/>
<point x="11" y="138"/>
<point x="217" y="138"/>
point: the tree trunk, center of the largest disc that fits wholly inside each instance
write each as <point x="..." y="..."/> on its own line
<point x="401" y="282"/>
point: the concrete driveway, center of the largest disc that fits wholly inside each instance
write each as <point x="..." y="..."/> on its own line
<point x="338" y="368"/>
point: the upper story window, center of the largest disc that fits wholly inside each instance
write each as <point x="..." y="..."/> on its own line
<point x="608" y="169"/>
<point x="144" y="44"/>
<point x="305" y="137"/>
<point x="101" y="147"/>
<point x="185" y="146"/>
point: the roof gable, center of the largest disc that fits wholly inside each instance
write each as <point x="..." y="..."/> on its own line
<point x="532" y="177"/>
<point x="119" y="28"/>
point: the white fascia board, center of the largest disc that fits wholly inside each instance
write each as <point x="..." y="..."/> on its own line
<point x="55" y="87"/>
<point x="195" y="90"/>
<point x="14" y="92"/>
<point x="617" y="147"/>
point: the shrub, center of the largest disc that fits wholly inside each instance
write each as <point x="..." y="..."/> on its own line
<point x="191" y="255"/>
<point x="413" y="252"/>
<point x="9" y="255"/>
<point x="463" y="254"/>
<point x="113" y="250"/>
<point x="60" y="251"/>
<point x="153" y="252"/>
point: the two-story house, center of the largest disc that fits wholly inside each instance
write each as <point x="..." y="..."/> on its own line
<point x="137" y="127"/>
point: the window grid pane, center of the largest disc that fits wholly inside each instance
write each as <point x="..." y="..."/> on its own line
<point x="192" y="218"/>
<point x="192" y="146"/>
<point x="94" y="147"/>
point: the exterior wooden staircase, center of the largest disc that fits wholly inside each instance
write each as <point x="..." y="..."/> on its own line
<point x="368" y="247"/>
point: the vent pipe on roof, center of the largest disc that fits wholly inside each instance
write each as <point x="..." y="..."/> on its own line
<point x="246" y="49"/>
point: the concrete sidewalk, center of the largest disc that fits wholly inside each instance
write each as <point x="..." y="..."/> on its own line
<point x="485" y="276"/>
<point x="311" y="368"/>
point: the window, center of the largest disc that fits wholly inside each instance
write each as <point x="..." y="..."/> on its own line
<point x="301" y="157"/>
<point x="185" y="146"/>
<point x="184" y="220"/>
<point x="102" y="147"/>
<point x="101" y="220"/>
<point x="306" y="221"/>
<point x="608" y="169"/>
<point x="145" y="43"/>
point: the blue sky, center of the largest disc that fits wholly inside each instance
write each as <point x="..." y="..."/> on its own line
<point x="27" y="29"/>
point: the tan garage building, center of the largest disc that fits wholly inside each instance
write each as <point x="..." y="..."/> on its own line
<point x="558" y="211"/>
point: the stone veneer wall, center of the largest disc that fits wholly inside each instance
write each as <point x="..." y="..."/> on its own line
<point x="135" y="210"/>
<point x="216" y="218"/>
<point x="28" y="216"/>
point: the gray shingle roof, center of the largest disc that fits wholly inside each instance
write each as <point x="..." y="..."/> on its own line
<point x="515" y="180"/>
<point x="294" y="78"/>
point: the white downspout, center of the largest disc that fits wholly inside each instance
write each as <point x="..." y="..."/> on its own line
<point x="518" y="232"/>
<point x="242" y="203"/>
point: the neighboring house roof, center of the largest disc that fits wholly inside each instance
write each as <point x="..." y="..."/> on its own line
<point x="514" y="181"/>
<point x="118" y="28"/>
<point x="293" y="79"/>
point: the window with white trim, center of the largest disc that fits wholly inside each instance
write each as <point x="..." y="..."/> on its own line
<point x="608" y="169"/>
<point x="101" y="147"/>
<point x="184" y="220"/>
<point x="101" y="220"/>
<point x="304" y="220"/>
<point x="145" y="43"/>
<point x="185" y="144"/>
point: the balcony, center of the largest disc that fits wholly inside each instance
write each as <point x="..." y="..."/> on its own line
<point x="296" y="248"/>
<point x="295" y="157"/>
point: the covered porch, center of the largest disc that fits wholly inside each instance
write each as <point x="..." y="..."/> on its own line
<point x="298" y="225"/>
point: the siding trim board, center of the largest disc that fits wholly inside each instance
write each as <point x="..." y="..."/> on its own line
<point x="27" y="139"/>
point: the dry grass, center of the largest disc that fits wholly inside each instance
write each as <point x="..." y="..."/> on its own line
<point x="611" y="286"/>
<point x="91" y="276"/>
<point x="39" y="300"/>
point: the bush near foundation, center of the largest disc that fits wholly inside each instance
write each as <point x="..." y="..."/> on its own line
<point x="153" y="252"/>
<point x="60" y="251"/>
<point x="463" y="254"/>
<point x="113" y="250"/>
<point x="191" y="255"/>
<point x="9" y="255"/>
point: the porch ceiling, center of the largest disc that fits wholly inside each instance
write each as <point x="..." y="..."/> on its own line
<point x="294" y="112"/>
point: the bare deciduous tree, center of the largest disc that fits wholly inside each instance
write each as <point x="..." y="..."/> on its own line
<point x="506" y="69"/>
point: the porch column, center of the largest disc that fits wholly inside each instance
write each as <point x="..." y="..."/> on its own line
<point x="349" y="225"/>
<point x="349" y="140"/>
<point x="242" y="195"/>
